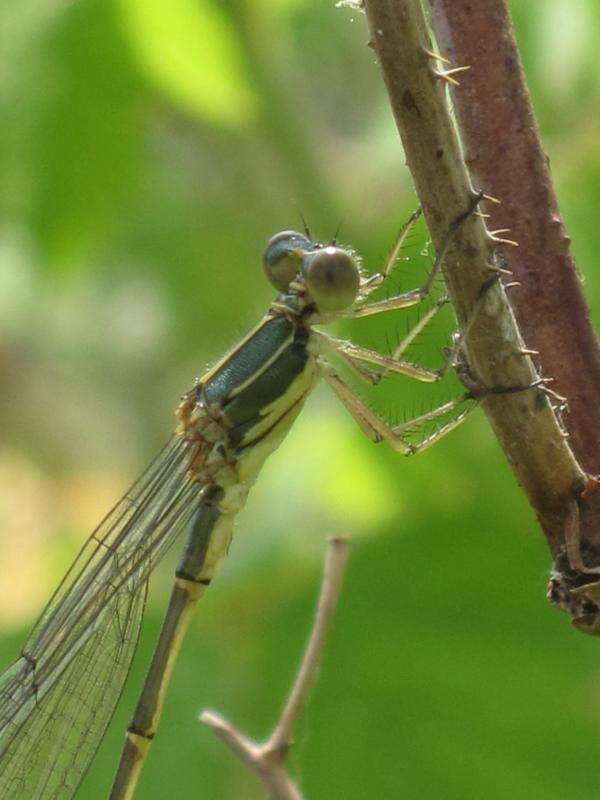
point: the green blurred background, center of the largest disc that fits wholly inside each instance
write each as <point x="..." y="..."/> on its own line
<point x="148" y="150"/>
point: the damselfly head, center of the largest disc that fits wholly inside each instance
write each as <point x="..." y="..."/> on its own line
<point x="330" y="273"/>
<point x="283" y="257"/>
<point x="332" y="277"/>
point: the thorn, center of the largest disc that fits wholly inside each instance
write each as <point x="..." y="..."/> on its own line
<point x="551" y="393"/>
<point x="491" y="199"/>
<point x="499" y="240"/>
<point x="512" y="284"/>
<point x="560" y="411"/>
<point x="435" y="56"/>
<point x="558" y="397"/>
<point x="481" y="214"/>
<point x="499" y="270"/>
<point x="457" y="70"/>
<point x="499" y="230"/>
<point x="446" y="74"/>
<point x="526" y="351"/>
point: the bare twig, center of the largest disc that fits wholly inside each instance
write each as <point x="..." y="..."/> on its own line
<point x="267" y="759"/>
<point x="333" y="575"/>
<point x="524" y="422"/>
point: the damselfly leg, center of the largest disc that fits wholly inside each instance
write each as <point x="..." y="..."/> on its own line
<point x="414" y="296"/>
<point x="378" y="430"/>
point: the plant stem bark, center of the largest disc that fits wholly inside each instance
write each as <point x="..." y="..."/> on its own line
<point x="524" y="422"/>
<point x="504" y="154"/>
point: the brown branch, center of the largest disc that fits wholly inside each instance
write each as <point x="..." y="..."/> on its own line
<point x="267" y="760"/>
<point x="524" y="422"/>
<point x="504" y="153"/>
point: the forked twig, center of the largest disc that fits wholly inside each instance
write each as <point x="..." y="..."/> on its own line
<point x="267" y="759"/>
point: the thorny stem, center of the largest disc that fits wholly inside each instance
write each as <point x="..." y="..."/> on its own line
<point x="267" y="760"/>
<point x="523" y="422"/>
<point x="504" y="153"/>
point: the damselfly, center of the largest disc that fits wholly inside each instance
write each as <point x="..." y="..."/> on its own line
<point x="57" y="699"/>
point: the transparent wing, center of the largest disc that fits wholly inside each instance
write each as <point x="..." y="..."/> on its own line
<point x="50" y="752"/>
<point x="57" y="699"/>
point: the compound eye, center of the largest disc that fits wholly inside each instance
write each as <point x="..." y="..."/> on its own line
<point x="283" y="256"/>
<point x="332" y="278"/>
